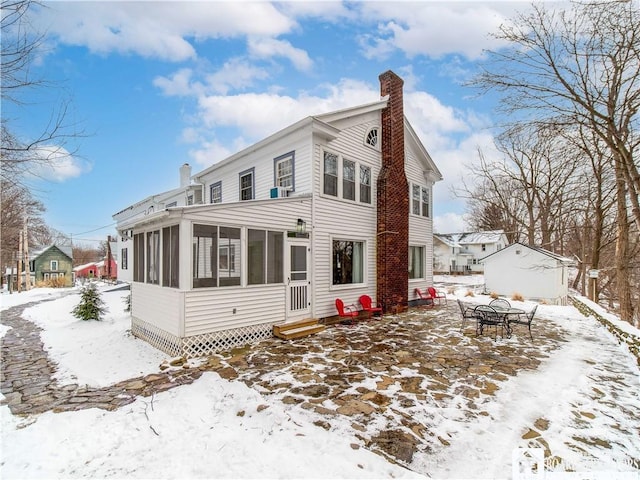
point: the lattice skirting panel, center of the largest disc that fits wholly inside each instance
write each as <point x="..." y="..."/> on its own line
<point x="200" y="345"/>
<point x="157" y="337"/>
<point x="208" y="343"/>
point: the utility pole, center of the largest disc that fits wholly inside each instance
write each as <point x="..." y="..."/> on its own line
<point x="27" y="266"/>
<point x="109" y="257"/>
<point x="19" y="273"/>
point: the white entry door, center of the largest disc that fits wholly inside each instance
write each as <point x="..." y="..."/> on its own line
<point x="298" y="280"/>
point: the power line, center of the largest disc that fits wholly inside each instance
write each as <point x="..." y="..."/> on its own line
<point x="94" y="230"/>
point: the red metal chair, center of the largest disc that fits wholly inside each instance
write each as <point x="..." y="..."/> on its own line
<point x="369" y="307"/>
<point x="426" y="297"/>
<point x="347" y="311"/>
<point x="437" y="295"/>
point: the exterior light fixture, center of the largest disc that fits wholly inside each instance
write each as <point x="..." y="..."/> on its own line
<point x="301" y="226"/>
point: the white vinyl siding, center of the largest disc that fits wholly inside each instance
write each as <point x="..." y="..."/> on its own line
<point x="357" y="222"/>
<point x="262" y="162"/>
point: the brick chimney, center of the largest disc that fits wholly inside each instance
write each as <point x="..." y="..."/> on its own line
<point x="393" y="201"/>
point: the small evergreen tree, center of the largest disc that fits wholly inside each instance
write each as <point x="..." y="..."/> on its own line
<point x="91" y="306"/>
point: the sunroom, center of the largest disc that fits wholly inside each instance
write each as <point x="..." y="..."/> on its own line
<point x="210" y="277"/>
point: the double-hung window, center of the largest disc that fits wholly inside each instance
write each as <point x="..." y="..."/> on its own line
<point x="365" y="184"/>
<point x="348" y="179"/>
<point x="345" y="178"/>
<point x="247" y="185"/>
<point x="330" y="174"/>
<point x="215" y="192"/>
<point x="416" y="262"/>
<point x="347" y="262"/>
<point x="284" y="171"/>
<point x="420" y="200"/>
<point x="124" y="259"/>
<point x="54" y="265"/>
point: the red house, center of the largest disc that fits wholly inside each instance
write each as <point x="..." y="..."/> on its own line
<point x="88" y="270"/>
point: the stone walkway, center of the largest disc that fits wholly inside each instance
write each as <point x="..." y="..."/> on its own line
<point x="29" y="387"/>
<point x="391" y="377"/>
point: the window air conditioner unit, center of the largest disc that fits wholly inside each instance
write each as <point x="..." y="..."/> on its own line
<point x="279" y="192"/>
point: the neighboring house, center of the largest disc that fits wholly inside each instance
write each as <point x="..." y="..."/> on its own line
<point x="51" y="263"/>
<point x="107" y="270"/>
<point x="334" y="206"/>
<point x="535" y="273"/>
<point x="88" y="270"/>
<point x="185" y="194"/>
<point x="455" y="253"/>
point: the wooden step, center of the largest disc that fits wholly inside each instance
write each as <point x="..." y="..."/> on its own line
<point x="287" y="331"/>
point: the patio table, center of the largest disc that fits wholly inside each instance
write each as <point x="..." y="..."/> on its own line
<point x="504" y="313"/>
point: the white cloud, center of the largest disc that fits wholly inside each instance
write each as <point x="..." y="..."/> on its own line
<point x="179" y="84"/>
<point x="432" y="29"/>
<point x="56" y="164"/>
<point x="158" y="29"/>
<point x="265" y="48"/>
<point x="209" y="152"/>
<point x="235" y="74"/>
<point x="450" y="223"/>
<point x="257" y="115"/>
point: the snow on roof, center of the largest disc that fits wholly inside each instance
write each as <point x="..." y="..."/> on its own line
<point x="37" y="251"/>
<point x="548" y="253"/>
<point x="470" y="238"/>
<point x="82" y="267"/>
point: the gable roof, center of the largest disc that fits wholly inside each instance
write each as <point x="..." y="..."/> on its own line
<point x="37" y="251"/>
<point x="86" y="265"/>
<point x="548" y="253"/>
<point x="470" y="238"/>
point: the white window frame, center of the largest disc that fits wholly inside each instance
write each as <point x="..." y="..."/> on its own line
<point x="418" y="201"/>
<point x="215" y="188"/>
<point x="53" y="265"/>
<point x="247" y="173"/>
<point x="343" y="286"/>
<point x="288" y="179"/>
<point x="372" y="138"/>
<point x="340" y="180"/>
<point x="423" y="265"/>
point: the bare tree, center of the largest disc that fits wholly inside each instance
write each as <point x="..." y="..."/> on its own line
<point x="19" y="156"/>
<point x="16" y="204"/>
<point x="580" y="65"/>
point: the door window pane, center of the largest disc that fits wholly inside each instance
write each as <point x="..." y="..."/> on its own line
<point x="298" y="262"/>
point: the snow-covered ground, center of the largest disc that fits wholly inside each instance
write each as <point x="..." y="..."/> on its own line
<point x="197" y="431"/>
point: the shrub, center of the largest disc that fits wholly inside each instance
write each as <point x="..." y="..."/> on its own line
<point x="127" y="302"/>
<point x="91" y="306"/>
<point x="517" y="297"/>
<point x="469" y="294"/>
<point x="494" y="295"/>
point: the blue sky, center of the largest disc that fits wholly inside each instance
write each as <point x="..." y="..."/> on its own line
<point x="154" y="85"/>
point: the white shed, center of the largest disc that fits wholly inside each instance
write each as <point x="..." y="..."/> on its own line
<point x="533" y="272"/>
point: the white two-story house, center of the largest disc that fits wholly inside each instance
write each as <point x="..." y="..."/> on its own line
<point x="334" y="206"/>
<point x="460" y="253"/>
